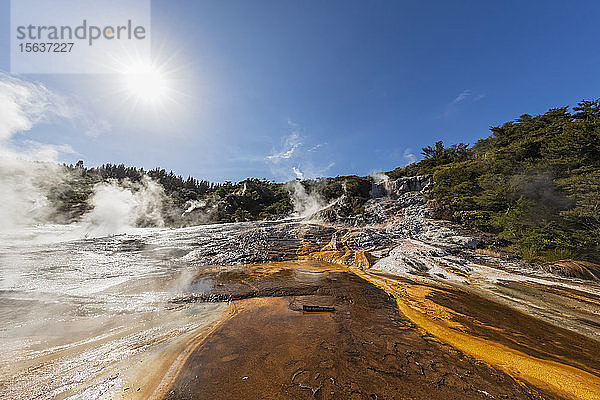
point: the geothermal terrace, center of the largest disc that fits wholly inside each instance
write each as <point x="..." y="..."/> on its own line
<point x="216" y="312"/>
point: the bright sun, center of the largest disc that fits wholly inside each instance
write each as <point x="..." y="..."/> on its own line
<point x="146" y="83"/>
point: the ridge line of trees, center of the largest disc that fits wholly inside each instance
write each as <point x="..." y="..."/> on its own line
<point x="534" y="182"/>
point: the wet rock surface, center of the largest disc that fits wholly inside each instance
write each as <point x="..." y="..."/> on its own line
<point x="260" y="242"/>
<point x="445" y="277"/>
<point x="574" y="269"/>
<point x="269" y="270"/>
<point x="484" y="318"/>
<point x="364" y="350"/>
<point x="405" y="241"/>
<point x="247" y="281"/>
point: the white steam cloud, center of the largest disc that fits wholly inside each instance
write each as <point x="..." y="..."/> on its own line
<point x="28" y="169"/>
<point x="379" y="177"/>
<point x="299" y="174"/>
<point x="305" y="204"/>
<point x="23" y="200"/>
<point x="22" y="105"/>
<point x="118" y="207"/>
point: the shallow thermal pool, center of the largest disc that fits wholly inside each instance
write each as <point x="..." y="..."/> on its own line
<point x="79" y="316"/>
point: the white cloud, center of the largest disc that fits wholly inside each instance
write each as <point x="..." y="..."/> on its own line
<point x="94" y="127"/>
<point x="316" y="147"/>
<point x="409" y="157"/>
<point x="24" y="104"/>
<point x="453" y="105"/>
<point x="295" y="158"/>
<point x="36" y="151"/>
<point x="292" y="123"/>
<point x="299" y="174"/>
<point x="461" y="96"/>
<point x="291" y="144"/>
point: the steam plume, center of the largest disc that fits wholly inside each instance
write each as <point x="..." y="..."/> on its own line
<point x="305" y="204"/>
<point x="118" y="207"/>
<point x="29" y="170"/>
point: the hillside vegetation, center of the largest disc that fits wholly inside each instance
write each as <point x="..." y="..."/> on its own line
<point x="188" y="201"/>
<point x="535" y="183"/>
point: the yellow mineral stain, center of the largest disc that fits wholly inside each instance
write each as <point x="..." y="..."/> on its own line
<point x="416" y="295"/>
<point x="561" y="379"/>
<point x="412" y="300"/>
<point x="337" y="251"/>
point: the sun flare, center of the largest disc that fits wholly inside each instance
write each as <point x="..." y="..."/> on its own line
<point x="146" y="83"/>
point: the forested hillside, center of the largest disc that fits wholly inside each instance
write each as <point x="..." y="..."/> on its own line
<point x="535" y="182"/>
<point x="188" y="201"/>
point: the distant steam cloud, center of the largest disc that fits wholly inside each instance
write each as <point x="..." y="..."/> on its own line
<point x="379" y="177"/>
<point x="305" y="204"/>
<point x="409" y="157"/>
<point x="22" y="105"/>
<point x="118" y="207"/>
<point x="29" y="168"/>
<point x="299" y="174"/>
<point x="23" y="200"/>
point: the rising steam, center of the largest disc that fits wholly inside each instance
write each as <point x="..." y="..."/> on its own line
<point x="305" y="204"/>
<point x="22" y="105"/>
<point x="29" y="169"/>
<point x="118" y="207"/>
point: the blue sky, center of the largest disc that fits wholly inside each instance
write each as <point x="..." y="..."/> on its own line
<point x="329" y="87"/>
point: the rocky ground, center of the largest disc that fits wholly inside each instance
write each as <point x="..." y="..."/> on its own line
<point x="542" y="323"/>
<point x="401" y="238"/>
<point x="422" y="310"/>
<point x="365" y="349"/>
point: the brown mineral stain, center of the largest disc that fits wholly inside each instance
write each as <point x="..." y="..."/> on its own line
<point x="559" y="378"/>
<point x="365" y="349"/>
